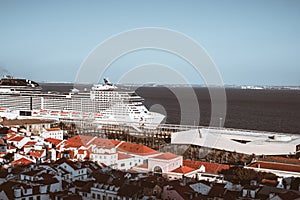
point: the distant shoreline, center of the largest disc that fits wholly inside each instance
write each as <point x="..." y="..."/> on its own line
<point x="244" y="87"/>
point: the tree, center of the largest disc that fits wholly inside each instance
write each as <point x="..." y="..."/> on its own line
<point x="244" y="176"/>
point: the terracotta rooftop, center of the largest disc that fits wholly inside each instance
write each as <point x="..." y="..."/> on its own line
<point x="36" y="153"/>
<point x="280" y="159"/>
<point x="30" y="143"/>
<point x="53" y="141"/>
<point x="138" y="149"/>
<point x="269" y="182"/>
<point x="10" y="131"/>
<point x="214" y="168"/>
<point x="21" y="161"/>
<point x="81" y="151"/>
<point x="16" y="139"/>
<point x="183" y="170"/>
<point x="166" y="156"/>
<point x="9" y="136"/>
<point x="276" y="166"/>
<point x="78" y="141"/>
<point x="103" y="143"/>
<point x="115" y="142"/>
<point x="122" y="156"/>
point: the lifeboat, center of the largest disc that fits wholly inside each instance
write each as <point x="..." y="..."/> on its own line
<point x="76" y="114"/>
<point x="85" y="114"/>
<point x="98" y="115"/>
<point x="64" y="113"/>
<point x="35" y="113"/>
<point x="54" y="113"/>
<point x="43" y="112"/>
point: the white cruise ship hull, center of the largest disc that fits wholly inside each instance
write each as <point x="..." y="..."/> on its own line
<point x="106" y="107"/>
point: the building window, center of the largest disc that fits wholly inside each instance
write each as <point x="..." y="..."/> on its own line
<point x="123" y="164"/>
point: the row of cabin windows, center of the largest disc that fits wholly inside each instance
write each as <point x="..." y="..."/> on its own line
<point x="104" y="157"/>
<point x="98" y="196"/>
<point x="31" y="198"/>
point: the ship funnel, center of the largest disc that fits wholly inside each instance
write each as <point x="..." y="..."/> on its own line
<point x="106" y="81"/>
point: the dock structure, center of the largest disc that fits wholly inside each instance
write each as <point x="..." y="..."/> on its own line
<point x="154" y="137"/>
<point x="228" y="139"/>
<point x="161" y="131"/>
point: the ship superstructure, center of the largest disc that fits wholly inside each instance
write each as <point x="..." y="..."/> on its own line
<point x="103" y="103"/>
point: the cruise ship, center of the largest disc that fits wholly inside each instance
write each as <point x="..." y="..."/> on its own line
<point x="103" y="103"/>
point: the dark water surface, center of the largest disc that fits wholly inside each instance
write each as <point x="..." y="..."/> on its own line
<point x="266" y="110"/>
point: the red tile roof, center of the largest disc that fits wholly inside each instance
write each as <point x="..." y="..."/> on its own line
<point x="78" y="141"/>
<point x="276" y="166"/>
<point x="36" y="153"/>
<point x="138" y="149"/>
<point x="269" y="182"/>
<point x="9" y="136"/>
<point x="10" y="131"/>
<point x="54" y="141"/>
<point x="280" y="159"/>
<point x="16" y="139"/>
<point x="166" y="156"/>
<point x="209" y="167"/>
<point x="21" y="161"/>
<point x="183" y="170"/>
<point x="115" y="142"/>
<point x="103" y="143"/>
<point x="30" y="143"/>
<point x="122" y="156"/>
<point x="81" y="151"/>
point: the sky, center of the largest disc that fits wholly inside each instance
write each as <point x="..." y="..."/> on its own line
<point x="251" y="42"/>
